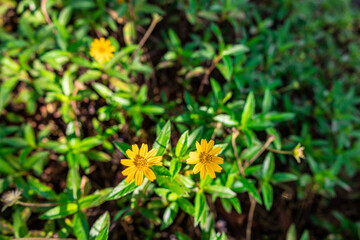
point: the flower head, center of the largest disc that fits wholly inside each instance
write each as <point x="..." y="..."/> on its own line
<point x="139" y="163"/>
<point x="298" y="152"/>
<point x="10" y="198"/>
<point x="205" y="159"/>
<point x="102" y="50"/>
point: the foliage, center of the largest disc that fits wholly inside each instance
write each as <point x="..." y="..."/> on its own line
<point x="273" y="83"/>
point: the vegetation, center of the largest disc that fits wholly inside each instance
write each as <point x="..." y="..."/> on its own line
<point x="180" y="119"/>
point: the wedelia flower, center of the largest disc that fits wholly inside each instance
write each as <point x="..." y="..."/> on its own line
<point x="139" y="163"/>
<point x="205" y="159"/>
<point x="102" y="50"/>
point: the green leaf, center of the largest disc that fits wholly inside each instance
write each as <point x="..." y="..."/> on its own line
<point x="122" y="147"/>
<point x="37" y="157"/>
<point x="236" y="204"/>
<point x="161" y="171"/>
<point x="88" y="143"/>
<point x="186" y="206"/>
<point x="90" y="75"/>
<point x="162" y="139"/>
<point x="195" y="136"/>
<point x="216" y="89"/>
<point x="251" y="189"/>
<point x="266" y="104"/>
<point x="175" y="166"/>
<point x="169" y="215"/>
<point x="291" y="234"/>
<point x="30" y="135"/>
<point x="102" y="90"/>
<point x="221" y="191"/>
<point x="41" y="189"/>
<point x="267" y="193"/>
<point x="98" y="156"/>
<point x="19" y="224"/>
<point x="182" y="144"/>
<point x="226" y="120"/>
<point x="279" y="117"/>
<point x="121" y="190"/>
<point x="235" y="50"/>
<point x="73" y="181"/>
<point x="305" y="235"/>
<point x="200" y="202"/>
<point x="80" y="226"/>
<point x="67" y="83"/>
<point x="6" y="167"/>
<point x="283" y="177"/>
<point x="100" y="229"/>
<point x="129" y="32"/>
<point x="152" y="109"/>
<point x="60" y="211"/>
<point x="248" y="109"/>
<point x="6" y="88"/>
<point x="172" y="184"/>
<point x="268" y="166"/>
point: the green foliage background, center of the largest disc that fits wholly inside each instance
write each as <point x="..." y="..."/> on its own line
<point x="239" y="72"/>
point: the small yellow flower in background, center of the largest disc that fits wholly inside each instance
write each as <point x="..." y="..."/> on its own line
<point x="205" y="159"/>
<point x="298" y="152"/>
<point x="102" y="50"/>
<point x="139" y="163"/>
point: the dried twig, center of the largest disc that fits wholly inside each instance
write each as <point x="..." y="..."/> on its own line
<point x="263" y="148"/>
<point x="250" y="217"/>
<point x="44" y="12"/>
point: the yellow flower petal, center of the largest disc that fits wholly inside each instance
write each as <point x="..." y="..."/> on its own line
<point x="192" y="160"/>
<point x="203" y="145"/>
<point x="130" y="154"/>
<point x="197" y="167"/>
<point x="130" y="177"/>
<point x="135" y="149"/>
<point x="149" y="174"/>
<point x="215" y="151"/>
<point x="210" y="145"/>
<point x="154" y="160"/>
<point x="198" y="147"/>
<point x="210" y="171"/>
<point x="218" y="160"/>
<point x="216" y="167"/>
<point x="143" y="150"/>
<point x="127" y="162"/>
<point x="202" y="172"/>
<point x="151" y="153"/>
<point x="139" y="177"/>
<point x="129" y="170"/>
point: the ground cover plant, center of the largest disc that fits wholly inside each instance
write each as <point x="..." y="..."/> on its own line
<point x="180" y="119"/>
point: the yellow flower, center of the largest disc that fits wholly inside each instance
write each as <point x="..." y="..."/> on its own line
<point x="102" y="50"/>
<point x="139" y="163"/>
<point x="298" y="152"/>
<point x="205" y="159"/>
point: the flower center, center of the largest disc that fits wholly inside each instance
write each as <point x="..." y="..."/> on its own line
<point x="140" y="161"/>
<point x="205" y="158"/>
<point x="101" y="50"/>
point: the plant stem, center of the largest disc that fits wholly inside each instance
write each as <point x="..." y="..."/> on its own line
<point x="235" y="134"/>
<point x="156" y="19"/>
<point x="263" y="148"/>
<point x="250" y="217"/>
<point x="205" y="79"/>
<point x="36" y="204"/>
<point x="279" y="151"/>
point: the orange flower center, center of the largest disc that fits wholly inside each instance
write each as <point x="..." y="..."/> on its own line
<point x="140" y="161"/>
<point x="102" y="49"/>
<point x="205" y="157"/>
